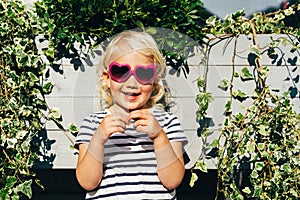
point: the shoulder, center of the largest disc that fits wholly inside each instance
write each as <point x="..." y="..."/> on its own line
<point x="162" y="113"/>
<point x="88" y="127"/>
<point x="95" y="117"/>
<point x="166" y="119"/>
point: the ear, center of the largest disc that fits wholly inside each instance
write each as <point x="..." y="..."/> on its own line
<point x="155" y="86"/>
<point x="106" y="79"/>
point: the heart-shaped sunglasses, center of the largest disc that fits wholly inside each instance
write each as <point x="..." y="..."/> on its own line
<point x="121" y="73"/>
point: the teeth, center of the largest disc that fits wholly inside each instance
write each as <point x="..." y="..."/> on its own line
<point x="128" y="94"/>
<point x="131" y="94"/>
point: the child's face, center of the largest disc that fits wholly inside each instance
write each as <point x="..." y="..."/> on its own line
<point x="131" y="94"/>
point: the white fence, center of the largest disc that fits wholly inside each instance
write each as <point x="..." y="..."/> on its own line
<point x="75" y="95"/>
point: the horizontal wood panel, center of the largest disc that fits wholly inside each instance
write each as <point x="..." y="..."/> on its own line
<point x="222" y="53"/>
<point x="75" y="94"/>
<point x="84" y="84"/>
<point x="60" y="155"/>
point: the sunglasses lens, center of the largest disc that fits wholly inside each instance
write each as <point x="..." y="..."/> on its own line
<point x="145" y="75"/>
<point x="119" y="73"/>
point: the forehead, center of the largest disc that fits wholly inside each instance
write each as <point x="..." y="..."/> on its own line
<point x="134" y="59"/>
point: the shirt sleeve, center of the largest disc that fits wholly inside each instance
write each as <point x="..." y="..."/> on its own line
<point x="173" y="129"/>
<point x="87" y="129"/>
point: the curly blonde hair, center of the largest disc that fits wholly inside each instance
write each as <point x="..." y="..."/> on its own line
<point x="127" y="42"/>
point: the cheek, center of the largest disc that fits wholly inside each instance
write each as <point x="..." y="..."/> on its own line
<point x="147" y="89"/>
<point x="114" y="87"/>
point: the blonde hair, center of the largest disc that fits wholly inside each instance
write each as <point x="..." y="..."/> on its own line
<point x="127" y="42"/>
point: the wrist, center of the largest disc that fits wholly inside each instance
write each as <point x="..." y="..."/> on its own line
<point x="160" y="140"/>
<point x="100" y="136"/>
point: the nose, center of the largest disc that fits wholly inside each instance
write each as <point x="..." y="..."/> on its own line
<point x="132" y="82"/>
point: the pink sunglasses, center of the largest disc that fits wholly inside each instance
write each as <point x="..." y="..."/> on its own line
<point x="121" y="73"/>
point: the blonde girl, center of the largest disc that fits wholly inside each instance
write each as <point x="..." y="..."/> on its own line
<point x="131" y="149"/>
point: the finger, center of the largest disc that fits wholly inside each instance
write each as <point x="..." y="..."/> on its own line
<point x="139" y="114"/>
<point x="119" y="120"/>
<point x="116" y="129"/>
<point x="109" y="129"/>
<point x="141" y="122"/>
<point x="119" y="123"/>
<point x="113" y="123"/>
<point x="141" y="129"/>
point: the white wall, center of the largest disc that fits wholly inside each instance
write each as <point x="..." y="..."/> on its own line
<point x="75" y="95"/>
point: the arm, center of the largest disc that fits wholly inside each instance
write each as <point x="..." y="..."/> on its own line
<point x="170" y="164"/>
<point x="90" y="159"/>
<point x="91" y="155"/>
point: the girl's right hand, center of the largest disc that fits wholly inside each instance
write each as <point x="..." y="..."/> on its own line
<point x="113" y="123"/>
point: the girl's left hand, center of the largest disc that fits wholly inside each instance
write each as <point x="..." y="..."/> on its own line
<point x="146" y="122"/>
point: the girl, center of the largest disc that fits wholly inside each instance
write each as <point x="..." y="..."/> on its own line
<point x="131" y="149"/>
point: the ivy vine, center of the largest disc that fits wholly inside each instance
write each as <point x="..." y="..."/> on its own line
<point x="266" y="135"/>
<point x="73" y="30"/>
<point x="258" y="151"/>
<point x="24" y="110"/>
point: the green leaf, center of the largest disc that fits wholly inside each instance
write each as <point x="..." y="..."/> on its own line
<point x="78" y="38"/>
<point x="139" y="24"/>
<point x="54" y="113"/>
<point x="200" y="82"/>
<point x="201" y="165"/>
<point x="73" y="128"/>
<point x="259" y="166"/>
<point x="205" y="133"/>
<point x="267" y="184"/>
<point x="151" y="30"/>
<point x="223" y="84"/>
<point x="250" y="146"/>
<point x="239" y="94"/>
<point x="264" y="130"/>
<point x="194" y="178"/>
<point x="33" y="78"/>
<point x="236" y="74"/>
<point x="254" y="50"/>
<point x="11" y="142"/>
<point x="214" y="143"/>
<point x="21" y="134"/>
<point x="257" y="191"/>
<point x="294" y="193"/>
<point x="25" y="188"/>
<point x="26" y="146"/>
<point x="247" y="190"/>
<point x="62" y="35"/>
<point x="246" y="75"/>
<point x="49" y="52"/>
<point x="47" y="88"/>
<point x="203" y="100"/>
<point x="228" y="107"/>
<point x="10" y="181"/>
<point x="286" y="167"/>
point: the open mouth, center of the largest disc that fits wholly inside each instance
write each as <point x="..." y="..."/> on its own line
<point x="131" y="94"/>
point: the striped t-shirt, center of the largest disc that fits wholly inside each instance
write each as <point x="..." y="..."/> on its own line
<point x="129" y="166"/>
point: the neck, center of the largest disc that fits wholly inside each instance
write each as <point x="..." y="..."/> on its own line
<point x="116" y="108"/>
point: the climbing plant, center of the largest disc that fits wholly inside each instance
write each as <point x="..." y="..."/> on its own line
<point x="77" y="28"/>
<point x="23" y="109"/>
<point x="72" y="30"/>
<point x="258" y="150"/>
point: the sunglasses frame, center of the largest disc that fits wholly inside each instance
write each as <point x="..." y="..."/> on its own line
<point x="131" y="72"/>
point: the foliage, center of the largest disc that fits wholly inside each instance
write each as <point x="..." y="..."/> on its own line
<point x="258" y="151"/>
<point x="24" y="111"/>
<point x="72" y="30"/>
<point x="75" y="27"/>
